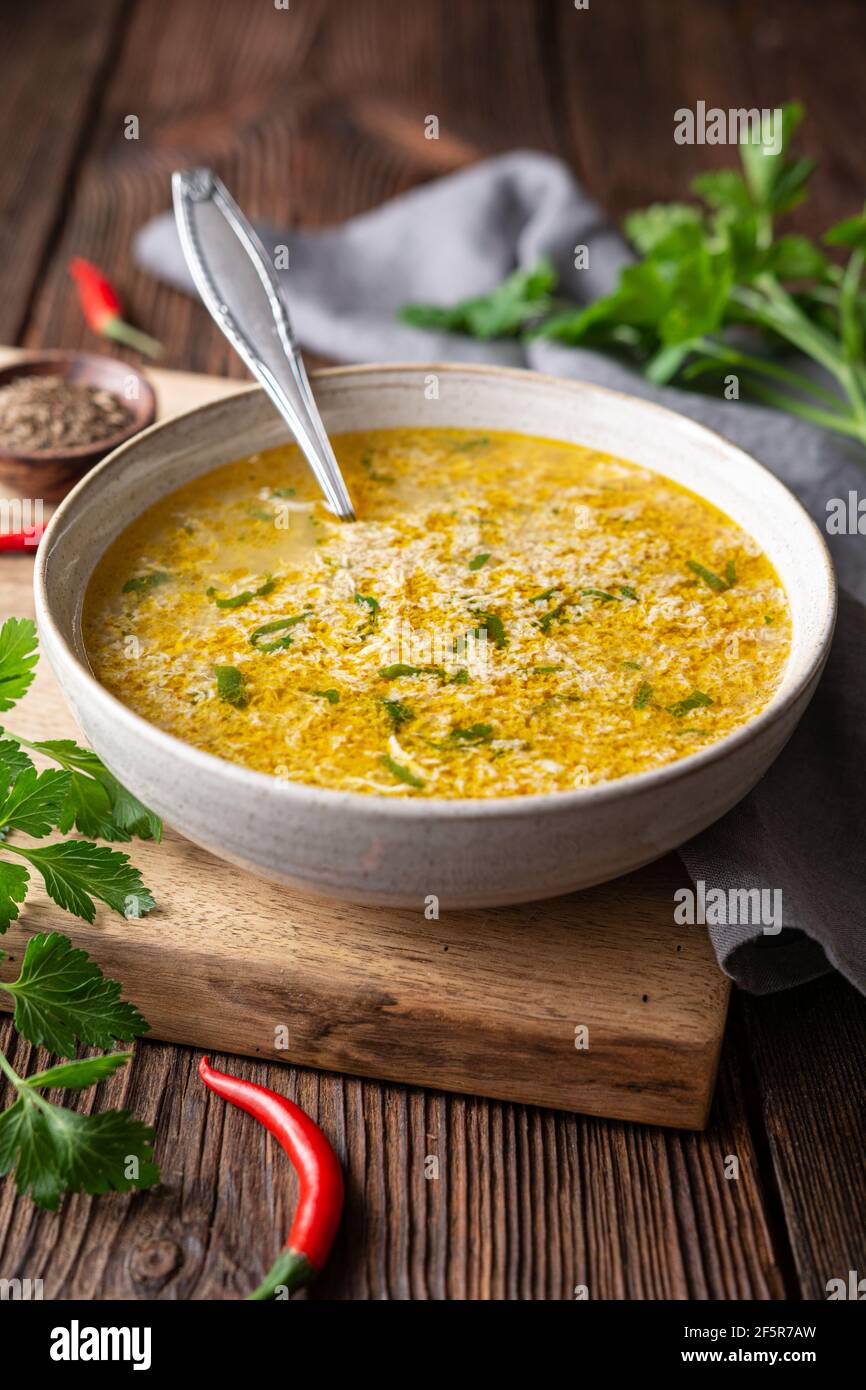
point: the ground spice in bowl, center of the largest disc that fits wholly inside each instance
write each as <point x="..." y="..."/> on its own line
<point x="49" y="412"/>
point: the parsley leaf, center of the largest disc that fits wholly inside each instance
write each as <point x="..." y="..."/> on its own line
<point x="476" y="733"/>
<point x="367" y="601"/>
<point x="554" y="615"/>
<point x="13" y="757"/>
<point x="643" y="695"/>
<point x="18" y="656"/>
<point x="393" y="673"/>
<point x="398" y="713"/>
<point x="118" y="815"/>
<point x="706" y="270"/>
<point x="14" y="879"/>
<point x="492" y="624"/>
<point x="479" y="561"/>
<point x="62" y="998"/>
<point x="33" y="801"/>
<point x="523" y="297"/>
<point x="403" y="774"/>
<point x="75" y="1076"/>
<point x="714" y="581"/>
<point x="283" y="625"/>
<point x="231" y="686"/>
<point x="246" y="596"/>
<point x="143" y="583"/>
<point x="600" y="594"/>
<point x="55" y="1150"/>
<point x="75" y="872"/>
<point x="697" y="700"/>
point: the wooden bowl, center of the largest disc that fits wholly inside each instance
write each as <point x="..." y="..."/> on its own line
<point x="50" y="473"/>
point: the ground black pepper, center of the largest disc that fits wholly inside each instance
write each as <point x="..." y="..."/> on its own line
<point x="48" y="412"/>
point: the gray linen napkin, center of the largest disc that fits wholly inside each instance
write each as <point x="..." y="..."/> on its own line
<point x="802" y="829"/>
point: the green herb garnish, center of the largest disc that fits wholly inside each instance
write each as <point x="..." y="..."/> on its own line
<point x="631" y="665"/>
<point x="714" y="581"/>
<point x="283" y="625"/>
<point x="398" y="713"/>
<point x="332" y="696"/>
<point x="231" y="686"/>
<point x="697" y="700"/>
<point x="60" y="996"/>
<point x="492" y="624"/>
<point x="546" y="595"/>
<point x="601" y="594"/>
<point x="544" y="670"/>
<point x="143" y="583"/>
<point x="520" y="300"/>
<point x="704" y="271"/>
<point x="476" y="733"/>
<point x="402" y="773"/>
<point x="555" y="615"/>
<point x="460" y="677"/>
<point x="393" y="673"/>
<point x="627" y="592"/>
<point x="479" y="561"/>
<point x="367" y="601"/>
<point x="643" y="695"/>
<point x="238" y="600"/>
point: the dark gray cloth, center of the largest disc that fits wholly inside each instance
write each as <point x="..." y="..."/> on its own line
<point x="802" y="829"/>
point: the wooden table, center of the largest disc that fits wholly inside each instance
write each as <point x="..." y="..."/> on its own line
<point x="312" y="114"/>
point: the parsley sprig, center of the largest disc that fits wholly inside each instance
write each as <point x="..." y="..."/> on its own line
<point x="711" y="276"/>
<point x="80" y="793"/>
<point x="61" y="998"/>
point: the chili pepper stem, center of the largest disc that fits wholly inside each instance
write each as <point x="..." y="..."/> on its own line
<point x="124" y="333"/>
<point x="291" y="1270"/>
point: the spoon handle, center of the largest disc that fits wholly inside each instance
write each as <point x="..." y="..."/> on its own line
<point x="239" y="286"/>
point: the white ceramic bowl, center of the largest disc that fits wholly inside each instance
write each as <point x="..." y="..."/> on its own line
<point x="469" y="853"/>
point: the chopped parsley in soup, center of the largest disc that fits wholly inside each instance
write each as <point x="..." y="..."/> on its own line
<point x="508" y="615"/>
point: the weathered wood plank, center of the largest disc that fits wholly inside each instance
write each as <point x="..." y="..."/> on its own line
<point x="55" y="61"/>
<point x="809" y="1054"/>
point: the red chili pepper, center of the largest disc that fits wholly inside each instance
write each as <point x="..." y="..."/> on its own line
<point x="21" y="540"/>
<point x="101" y="304"/>
<point x="320" y="1202"/>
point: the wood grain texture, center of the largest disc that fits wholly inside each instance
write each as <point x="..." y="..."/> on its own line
<point x="810" y="1073"/>
<point x="483" y="1001"/>
<point x="526" y="1204"/>
<point x="48" y="103"/>
<point x="310" y="124"/>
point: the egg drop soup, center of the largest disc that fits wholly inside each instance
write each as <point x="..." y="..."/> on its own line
<point x="508" y="615"/>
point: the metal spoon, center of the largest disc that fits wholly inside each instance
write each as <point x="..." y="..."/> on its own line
<point x="239" y="287"/>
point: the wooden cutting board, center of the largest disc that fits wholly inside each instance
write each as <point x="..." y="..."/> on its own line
<point x="595" y="1002"/>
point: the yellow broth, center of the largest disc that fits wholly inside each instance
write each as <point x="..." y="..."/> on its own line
<point x="508" y="615"/>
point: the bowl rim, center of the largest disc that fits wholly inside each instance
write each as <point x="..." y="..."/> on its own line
<point x="443" y="808"/>
<point x="79" y="453"/>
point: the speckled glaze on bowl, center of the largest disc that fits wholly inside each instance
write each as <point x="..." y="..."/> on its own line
<point x="470" y="853"/>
